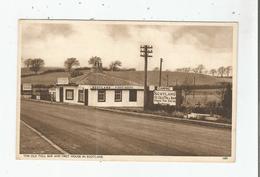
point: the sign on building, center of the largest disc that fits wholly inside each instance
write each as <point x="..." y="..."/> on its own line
<point x="164" y="88"/>
<point x="164" y="97"/>
<point x="27" y="86"/>
<point x="63" y="81"/>
<point x="111" y="87"/>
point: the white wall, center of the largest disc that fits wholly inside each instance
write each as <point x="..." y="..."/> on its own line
<point x="110" y="99"/>
<point x="57" y="94"/>
<point x="75" y="96"/>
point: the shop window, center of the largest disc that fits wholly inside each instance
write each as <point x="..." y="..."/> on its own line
<point x="69" y="94"/>
<point x="81" y="96"/>
<point x="132" y="95"/>
<point x="118" y="95"/>
<point x="101" y="95"/>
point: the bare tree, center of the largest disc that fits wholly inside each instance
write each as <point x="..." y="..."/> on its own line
<point x="156" y="69"/>
<point x="93" y="60"/>
<point x="187" y="90"/>
<point x="213" y="72"/>
<point x="27" y="62"/>
<point x="228" y="70"/>
<point x="195" y="70"/>
<point x="200" y="68"/>
<point x="36" y="64"/>
<point x="69" y="63"/>
<point x="179" y="70"/>
<point x="114" y="65"/>
<point x="221" y="71"/>
<point x="186" y="70"/>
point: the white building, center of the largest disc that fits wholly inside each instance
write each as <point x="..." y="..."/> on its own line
<point x="101" y="90"/>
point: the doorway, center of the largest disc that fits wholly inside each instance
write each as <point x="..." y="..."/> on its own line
<point x="61" y="94"/>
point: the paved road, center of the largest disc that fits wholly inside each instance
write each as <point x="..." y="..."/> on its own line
<point x="85" y="130"/>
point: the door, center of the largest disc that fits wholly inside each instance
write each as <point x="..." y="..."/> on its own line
<point x="86" y="97"/>
<point x="61" y="94"/>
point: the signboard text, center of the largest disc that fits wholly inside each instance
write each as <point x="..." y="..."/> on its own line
<point x="164" y="97"/>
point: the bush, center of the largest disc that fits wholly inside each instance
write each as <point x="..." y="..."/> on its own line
<point x="76" y="73"/>
<point x="53" y="70"/>
<point x="82" y="68"/>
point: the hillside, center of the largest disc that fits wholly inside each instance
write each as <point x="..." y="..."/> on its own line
<point x="27" y="71"/>
<point x="136" y="76"/>
<point x="180" y="77"/>
<point x="45" y="79"/>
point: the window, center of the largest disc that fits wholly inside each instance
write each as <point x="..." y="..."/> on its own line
<point x="81" y="96"/>
<point x="69" y="94"/>
<point x="132" y="95"/>
<point x="101" y="95"/>
<point x="118" y="95"/>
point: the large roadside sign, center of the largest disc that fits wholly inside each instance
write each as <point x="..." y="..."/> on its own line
<point x="164" y="97"/>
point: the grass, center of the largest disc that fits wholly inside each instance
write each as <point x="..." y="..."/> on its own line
<point x="173" y="77"/>
<point x="176" y="114"/>
<point x="27" y="71"/>
<point x="136" y="76"/>
<point x="44" y="79"/>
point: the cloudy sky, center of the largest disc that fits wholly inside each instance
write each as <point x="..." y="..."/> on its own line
<point x="180" y="45"/>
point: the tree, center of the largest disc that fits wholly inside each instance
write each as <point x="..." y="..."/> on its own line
<point x="76" y="73"/>
<point x="195" y="70"/>
<point x="36" y="64"/>
<point x="70" y="62"/>
<point x="228" y="70"/>
<point x="200" y="68"/>
<point x="156" y="69"/>
<point x="93" y="60"/>
<point x="27" y="62"/>
<point x="221" y="71"/>
<point x="213" y="72"/>
<point x="114" y="65"/>
<point x="227" y="102"/>
<point x="186" y="70"/>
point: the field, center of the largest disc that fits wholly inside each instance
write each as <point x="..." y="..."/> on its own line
<point x="174" y="78"/>
<point x="202" y="97"/>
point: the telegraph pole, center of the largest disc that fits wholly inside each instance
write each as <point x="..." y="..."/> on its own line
<point x="160" y="75"/>
<point x="145" y="51"/>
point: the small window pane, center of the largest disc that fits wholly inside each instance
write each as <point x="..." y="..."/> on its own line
<point x="69" y="94"/>
<point x="118" y="95"/>
<point x="81" y="96"/>
<point x="132" y="95"/>
<point x="101" y="95"/>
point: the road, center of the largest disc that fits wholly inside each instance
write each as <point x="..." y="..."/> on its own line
<point x="86" y="130"/>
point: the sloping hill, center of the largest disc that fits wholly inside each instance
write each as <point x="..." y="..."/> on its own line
<point x="44" y="79"/>
<point x="27" y="71"/>
<point x="135" y="76"/>
<point x="173" y="77"/>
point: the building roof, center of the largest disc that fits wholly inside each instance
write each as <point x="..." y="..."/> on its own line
<point x="97" y="78"/>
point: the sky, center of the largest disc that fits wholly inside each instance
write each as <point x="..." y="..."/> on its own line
<point x="179" y="44"/>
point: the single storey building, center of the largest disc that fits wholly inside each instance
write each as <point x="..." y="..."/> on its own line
<point x="99" y="89"/>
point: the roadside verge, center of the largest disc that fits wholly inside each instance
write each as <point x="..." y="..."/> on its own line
<point x="147" y="115"/>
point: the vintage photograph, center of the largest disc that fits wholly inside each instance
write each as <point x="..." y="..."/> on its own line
<point x="126" y="90"/>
